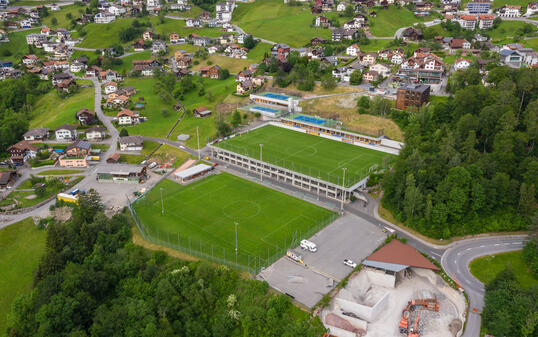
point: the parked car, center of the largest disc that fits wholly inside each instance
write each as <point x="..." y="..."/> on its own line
<point x="350" y="263"/>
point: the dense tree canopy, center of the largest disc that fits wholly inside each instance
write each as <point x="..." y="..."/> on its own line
<point x="94" y="281"/>
<point x="510" y="310"/>
<point x="18" y="97"/>
<point x="469" y="164"/>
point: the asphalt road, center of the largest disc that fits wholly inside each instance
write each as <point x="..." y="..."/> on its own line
<point x="455" y="262"/>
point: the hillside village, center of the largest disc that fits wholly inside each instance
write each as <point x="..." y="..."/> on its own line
<point x="306" y="102"/>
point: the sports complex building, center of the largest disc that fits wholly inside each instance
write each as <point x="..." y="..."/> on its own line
<point x="360" y="152"/>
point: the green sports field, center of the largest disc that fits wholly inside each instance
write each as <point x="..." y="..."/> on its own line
<point x="201" y="215"/>
<point x="307" y="154"/>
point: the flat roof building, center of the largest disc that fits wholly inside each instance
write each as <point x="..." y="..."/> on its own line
<point x="412" y="95"/>
<point x="193" y="172"/>
<point x="122" y="173"/>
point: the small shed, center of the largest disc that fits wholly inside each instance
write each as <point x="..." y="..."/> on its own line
<point x="193" y="172"/>
<point x="201" y="112"/>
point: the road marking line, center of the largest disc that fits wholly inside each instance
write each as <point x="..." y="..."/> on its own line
<point x="436" y="254"/>
<point x="468" y="249"/>
<point x="497" y="244"/>
<point x="506" y="244"/>
<point x="517" y="243"/>
<point x="482" y="246"/>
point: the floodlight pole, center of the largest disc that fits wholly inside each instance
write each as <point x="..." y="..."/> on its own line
<point x="235" y="223"/>
<point x="343" y="189"/>
<point x="198" y="140"/>
<point x="261" y="162"/>
<point x="162" y="202"/>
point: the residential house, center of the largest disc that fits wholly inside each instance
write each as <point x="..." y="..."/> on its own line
<point x="509" y="11"/>
<point x="532" y="8"/>
<point x="462" y="63"/>
<point x="131" y="143"/>
<point x="78" y="148"/>
<point x="7" y="178"/>
<point x="127" y="117"/>
<point x="412" y="34"/>
<point x="244" y="87"/>
<point x="158" y="46"/>
<point x="183" y="62"/>
<point x="341" y="6"/>
<point x="85" y="116"/>
<point x="368" y="59"/>
<point x="485" y="21"/>
<point x="95" y="133"/>
<point x="21" y="152"/>
<point x="200" y="41"/>
<point x="193" y="23"/>
<point x="353" y="50"/>
<point x="530" y="56"/>
<point x="317" y="41"/>
<point x="423" y="67"/>
<point x="241" y="38"/>
<point x="117" y="10"/>
<point x="511" y="58"/>
<point x="57" y="78"/>
<point x="467" y="21"/>
<point x="322" y="21"/>
<point x="35" y="38"/>
<point x="353" y="24"/>
<point x="175" y="38"/>
<point x="280" y="51"/>
<point x="38" y="134"/>
<point x="340" y="34"/>
<point x="30" y="60"/>
<point x="110" y="87"/>
<point x="370" y="76"/>
<point x="210" y="71"/>
<point x="66" y="132"/>
<point x="397" y="58"/>
<point x="114" y="101"/>
<point x="147" y="35"/>
<point x="459" y="44"/>
<point x="201" y="112"/>
<point x="243" y="75"/>
<point x="139" y="45"/>
<point x="381" y="69"/>
<point x="110" y="75"/>
<point x="104" y="17"/>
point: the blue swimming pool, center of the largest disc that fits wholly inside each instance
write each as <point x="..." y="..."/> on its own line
<point x="275" y="96"/>
<point x="309" y="119"/>
<point x="266" y="109"/>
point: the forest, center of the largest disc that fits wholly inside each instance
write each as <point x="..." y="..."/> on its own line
<point x="18" y="97"/>
<point x="94" y="281"/>
<point x="470" y="163"/>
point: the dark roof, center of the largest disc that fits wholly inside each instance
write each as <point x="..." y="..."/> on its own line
<point x="96" y="128"/>
<point x="70" y="127"/>
<point x="23" y="145"/>
<point x="81" y="144"/>
<point x="396" y="252"/>
<point x="131" y="140"/>
<point x="37" y="132"/>
<point x="5" y="177"/>
<point x="417" y="87"/>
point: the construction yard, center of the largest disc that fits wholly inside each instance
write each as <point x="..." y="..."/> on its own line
<point x="379" y="301"/>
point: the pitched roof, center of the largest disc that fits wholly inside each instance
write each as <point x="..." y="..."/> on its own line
<point x="66" y="127"/>
<point x="23" y="145"/>
<point x="36" y="132"/>
<point x="396" y="252"/>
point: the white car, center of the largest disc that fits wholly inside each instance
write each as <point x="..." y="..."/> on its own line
<point x="350" y="263"/>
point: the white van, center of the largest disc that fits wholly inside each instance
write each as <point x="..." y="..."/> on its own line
<point x="307" y="245"/>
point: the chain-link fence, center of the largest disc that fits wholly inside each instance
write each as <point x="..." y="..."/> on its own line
<point x="225" y="255"/>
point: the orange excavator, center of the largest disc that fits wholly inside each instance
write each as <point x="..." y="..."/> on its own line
<point x="428" y="304"/>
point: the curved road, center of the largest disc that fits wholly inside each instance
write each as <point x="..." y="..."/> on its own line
<point x="455" y="262"/>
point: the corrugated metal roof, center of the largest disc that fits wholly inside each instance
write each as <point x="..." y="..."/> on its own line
<point x="193" y="171"/>
<point x="384" y="265"/>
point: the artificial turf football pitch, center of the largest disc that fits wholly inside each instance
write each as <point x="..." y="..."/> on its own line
<point x="201" y="216"/>
<point x="308" y="154"/>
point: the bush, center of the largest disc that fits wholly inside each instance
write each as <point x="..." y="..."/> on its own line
<point x="124" y="132"/>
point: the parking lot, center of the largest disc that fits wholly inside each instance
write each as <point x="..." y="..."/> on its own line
<point x="349" y="237"/>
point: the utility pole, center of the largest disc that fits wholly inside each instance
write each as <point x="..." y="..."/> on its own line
<point x="318" y="187"/>
<point x="235" y="223"/>
<point x="261" y="160"/>
<point x="162" y="202"/>
<point x="343" y="189"/>
<point x="198" y="140"/>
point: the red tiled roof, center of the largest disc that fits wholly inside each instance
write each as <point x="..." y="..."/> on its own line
<point x="399" y="253"/>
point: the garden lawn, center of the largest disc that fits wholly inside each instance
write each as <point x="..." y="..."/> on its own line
<point x="257" y="53"/>
<point x="388" y="21"/>
<point x="506" y="28"/>
<point x="60" y="16"/>
<point x="375" y="45"/>
<point x="275" y="21"/>
<point x="127" y="62"/>
<point x="51" y="111"/>
<point x="500" y="3"/>
<point x="16" y="46"/>
<point x="486" y="268"/>
<point x="308" y="154"/>
<point x="205" y="211"/>
<point x="58" y="172"/>
<point x="159" y="126"/>
<point x="21" y="248"/>
<point x="104" y="35"/>
<point x="232" y="64"/>
<point x="149" y="147"/>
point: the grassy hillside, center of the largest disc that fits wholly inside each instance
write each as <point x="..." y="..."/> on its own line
<point x="51" y="111"/>
<point x="387" y="21"/>
<point x="16" y="48"/>
<point x="21" y="248"/>
<point x="275" y="21"/>
<point x="60" y="16"/>
<point x="486" y="268"/>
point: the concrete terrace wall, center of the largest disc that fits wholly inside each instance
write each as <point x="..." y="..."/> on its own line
<point x="380" y="278"/>
<point x="363" y="311"/>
